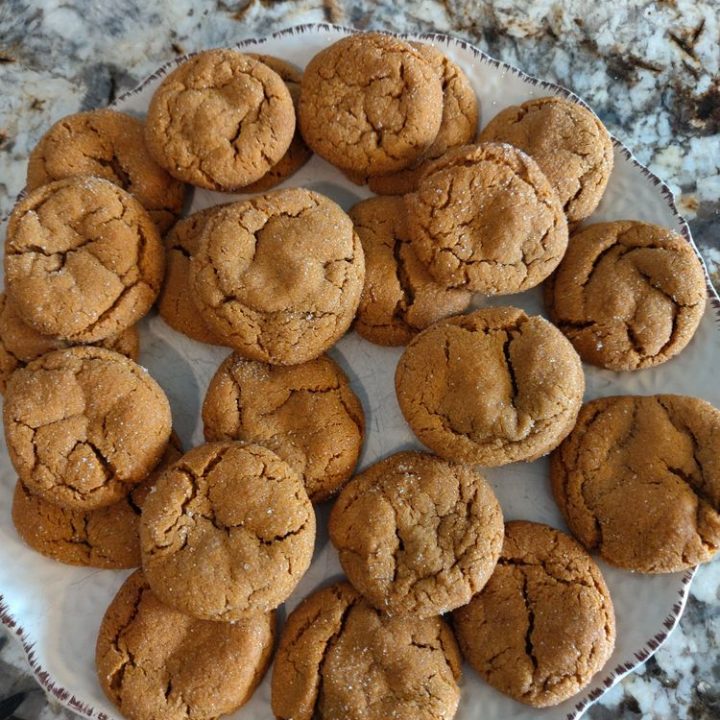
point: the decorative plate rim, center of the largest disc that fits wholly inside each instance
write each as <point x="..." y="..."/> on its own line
<point x="67" y="699"/>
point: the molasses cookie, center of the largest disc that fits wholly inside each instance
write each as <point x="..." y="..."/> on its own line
<point x="492" y="387"/>
<point x="155" y="662"/>
<point x="110" y="145"/>
<point x="370" y="104"/>
<point x="228" y="531"/>
<point x="220" y="120"/>
<point x="417" y="535"/>
<point x="638" y="481"/>
<point x="399" y="298"/>
<point x="486" y="219"/>
<point x="84" y="425"/>
<point x="19" y="343"/>
<point x="104" y="538"/>
<point x="83" y="259"/>
<point x="341" y="659"/>
<point x="298" y="153"/>
<point x="568" y="142"/>
<point x="544" y="624"/>
<point x="627" y="294"/>
<point x="278" y="277"/>
<point x="175" y="303"/>
<point x="306" y="413"/>
<point x="457" y="127"/>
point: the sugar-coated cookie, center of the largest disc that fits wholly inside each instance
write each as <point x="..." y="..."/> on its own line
<point x="220" y="120"/>
<point x="417" y="535"/>
<point x="544" y="624"/>
<point x="341" y="659"/>
<point x="638" y="481"/>
<point x="278" y="277"/>
<point x="83" y="259"/>
<point x="370" y="104"/>
<point x="155" y="662"/>
<point x="492" y="387"/>
<point x="485" y="218"/>
<point x="627" y="294"/>
<point x="84" y="426"/>
<point x="229" y="530"/>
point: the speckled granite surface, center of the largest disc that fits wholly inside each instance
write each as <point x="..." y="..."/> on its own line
<point x="650" y="69"/>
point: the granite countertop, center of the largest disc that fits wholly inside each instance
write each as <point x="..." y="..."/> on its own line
<point x="650" y="69"/>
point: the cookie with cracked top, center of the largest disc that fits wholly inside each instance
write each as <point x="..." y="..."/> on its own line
<point x="83" y="259"/>
<point x="155" y="662"/>
<point x="492" y="387"/>
<point x="111" y="145"/>
<point x="341" y="659"/>
<point x="370" y="104"/>
<point x="306" y="413"/>
<point x="627" y="294"/>
<point x="239" y="512"/>
<point x="544" y="624"/>
<point x="417" y="535"/>
<point x="84" y="426"/>
<point x="399" y="298"/>
<point x="221" y="120"/>
<point x="175" y="303"/>
<point x="458" y="125"/>
<point x="485" y="218"/>
<point x="638" y="481"/>
<point x="20" y="343"/>
<point x="105" y="538"/>
<point x="278" y="277"/>
<point x="569" y="143"/>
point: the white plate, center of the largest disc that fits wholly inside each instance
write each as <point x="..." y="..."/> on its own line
<point x="55" y="610"/>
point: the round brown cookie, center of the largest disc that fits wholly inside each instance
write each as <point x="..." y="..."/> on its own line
<point x="627" y="294"/>
<point x="298" y="153"/>
<point x="83" y="259"/>
<point x="84" y="425"/>
<point x="544" y="624"/>
<point x="341" y="659"/>
<point x="175" y="304"/>
<point x="110" y="145"/>
<point x="307" y="414"/>
<point x="492" y="387"/>
<point x="278" y="277"/>
<point x="486" y="219"/>
<point x="568" y="142"/>
<point x="370" y="104"/>
<point x="220" y="120"/>
<point x="228" y="531"/>
<point x="638" y="481"/>
<point x="399" y="298"/>
<point x="417" y="535"/>
<point x="155" y="662"/>
<point x="458" y="125"/>
<point x="104" y="538"/>
<point x="19" y="343"/>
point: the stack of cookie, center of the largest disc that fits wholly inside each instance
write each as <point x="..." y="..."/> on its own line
<point x="225" y="532"/>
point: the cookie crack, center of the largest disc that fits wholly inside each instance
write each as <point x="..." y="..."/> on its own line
<point x="118" y="674"/>
<point x="529" y="647"/>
